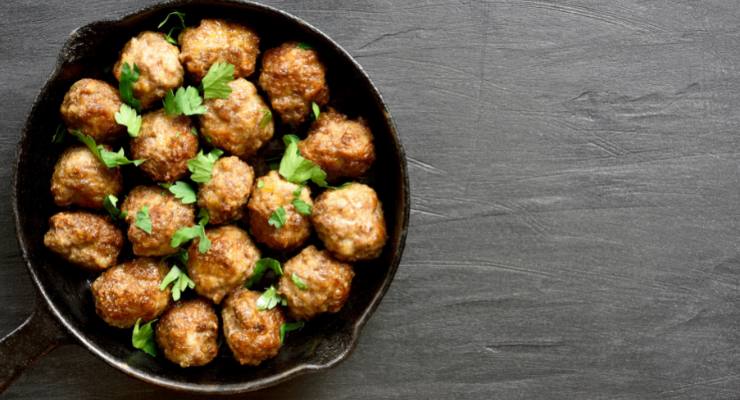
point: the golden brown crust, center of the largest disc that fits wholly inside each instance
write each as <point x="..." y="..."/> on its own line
<point x="350" y="222"/>
<point x="88" y="240"/>
<point x="225" y="195"/>
<point x="130" y="291"/>
<point x="235" y="123"/>
<point x="159" y="63"/>
<point x="90" y="105"/>
<point x="327" y="280"/>
<point x="252" y="335"/>
<point x="225" y="266"/>
<point x="167" y="214"/>
<point x="276" y="192"/>
<point x="165" y="142"/>
<point x="187" y="333"/>
<point x="79" y="178"/>
<point x="340" y="146"/>
<point x="293" y="78"/>
<point x="218" y="41"/>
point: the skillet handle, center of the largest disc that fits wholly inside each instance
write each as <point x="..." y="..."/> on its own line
<point x="37" y="335"/>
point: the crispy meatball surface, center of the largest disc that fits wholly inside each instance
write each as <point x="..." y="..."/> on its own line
<point x="350" y="222"/>
<point x="293" y="78"/>
<point x="90" y="105"/>
<point x="276" y="192"/>
<point x="130" y="291"/>
<point x="80" y="179"/>
<point x="225" y="195"/>
<point x="187" y="333"/>
<point x="225" y="266"/>
<point x="88" y="240"/>
<point x="218" y="41"/>
<point x="340" y="146"/>
<point x="327" y="283"/>
<point x="159" y="63"/>
<point x="252" y="335"/>
<point x="167" y="214"/>
<point x="165" y="142"/>
<point x="236" y="123"/>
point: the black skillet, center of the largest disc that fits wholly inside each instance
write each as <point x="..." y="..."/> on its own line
<point x="66" y="310"/>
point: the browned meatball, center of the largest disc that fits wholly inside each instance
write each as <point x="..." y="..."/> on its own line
<point x="327" y="283"/>
<point x="165" y="142"/>
<point x="130" y="291"/>
<point x="340" y="146"/>
<point x="226" y="265"/>
<point x="225" y="195"/>
<point x="236" y="124"/>
<point x="293" y="77"/>
<point x="252" y="335"/>
<point x="159" y="63"/>
<point x="276" y="192"/>
<point x="88" y="240"/>
<point x="187" y="333"/>
<point x="350" y="222"/>
<point x="218" y="41"/>
<point x="166" y="213"/>
<point x="81" y="179"/>
<point x="90" y="105"/>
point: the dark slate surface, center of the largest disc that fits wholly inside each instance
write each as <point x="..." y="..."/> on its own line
<point x="575" y="199"/>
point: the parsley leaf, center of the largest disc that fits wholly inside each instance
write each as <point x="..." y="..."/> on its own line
<point x="191" y="232"/>
<point x="143" y="221"/>
<point x="59" y="134"/>
<point x="316" y="110"/>
<point x="202" y="165"/>
<point x="297" y="169"/>
<point x="304" y="46"/>
<point x="270" y="299"/>
<point x="286" y="327"/>
<point x="168" y="36"/>
<point x="266" y="118"/>
<point x="260" y="267"/>
<point x="183" y="191"/>
<point x="302" y="207"/>
<point x="185" y="101"/>
<point x="277" y="218"/>
<point x="216" y="81"/>
<point x="181" y="282"/>
<point x="194" y="131"/>
<point x="110" y="202"/>
<point x="126" y="82"/>
<point x="109" y="158"/>
<point x="128" y="117"/>
<point x="203" y="217"/>
<point x="260" y="184"/>
<point x="143" y="338"/>
<point x="300" y="283"/>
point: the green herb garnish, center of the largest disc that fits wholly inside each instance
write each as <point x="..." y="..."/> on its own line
<point x="289" y="327"/>
<point x="110" y="203"/>
<point x="277" y="218"/>
<point x="183" y="191"/>
<point x="216" y="81"/>
<point x="297" y="169"/>
<point x="181" y="282"/>
<point x="143" y="221"/>
<point x="300" y="283"/>
<point x="128" y="117"/>
<point x="126" y="82"/>
<point x="109" y="158"/>
<point x="186" y="101"/>
<point x="262" y="265"/>
<point x="143" y="338"/>
<point x="202" y="165"/>
<point x="316" y="110"/>
<point x="266" y="118"/>
<point x="270" y="299"/>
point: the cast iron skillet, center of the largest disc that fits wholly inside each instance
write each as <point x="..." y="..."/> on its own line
<point x="66" y="310"/>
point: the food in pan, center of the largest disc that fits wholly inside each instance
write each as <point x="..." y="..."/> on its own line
<point x="164" y="193"/>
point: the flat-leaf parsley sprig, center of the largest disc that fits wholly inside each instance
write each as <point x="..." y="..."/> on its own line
<point x="216" y="82"/>
<point x="168" y="36"/>
<point x="109" y="158"/>
<point x="179" y="280"/>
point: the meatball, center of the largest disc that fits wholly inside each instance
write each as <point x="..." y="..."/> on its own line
<point x="252" y="335"/>
<point x="80" y="179"/>
<point x="88" y="240"/>
<point x="166" y="143"/>
<point x="340" y="146"/>
<point x="158" y="62"/>
<point x="226" y="265"/>
<point x="166" y="213"/>
<point x="350" y="222"/>
<point x="238" y="123"/>
<point x="225" y="195"/>
<point x="218" y="41"/>
<point x="293" y="78"/>
<point x="187" y="333"/>
<point x="130" y="291"/>
<point x="327" y="283"/>
<point x="90" y="105"/>
<point x="276" y="192"/>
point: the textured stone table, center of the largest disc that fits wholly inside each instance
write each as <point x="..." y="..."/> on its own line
<point x="575" y="220"/>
